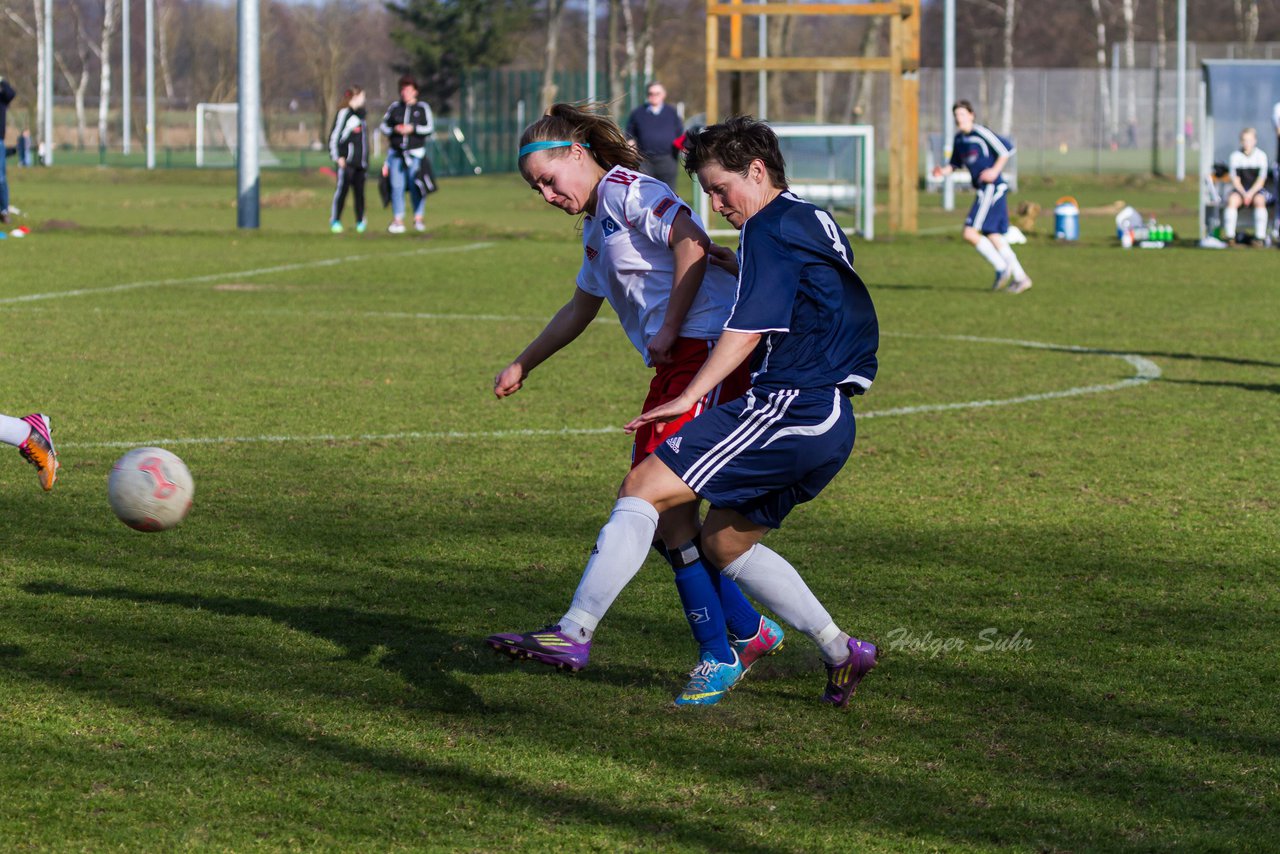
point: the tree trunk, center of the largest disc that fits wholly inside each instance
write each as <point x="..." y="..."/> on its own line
<point x="164" y="21"/>
<point x="1006" y="106"/>
<point x="646" y="37"/>
<point x="41" y="82"/>
<point x="632" y="70"/>
<point x="614" y="67"/>
<point x="862" y="86"/>
<point x="1130" y="63"/>
<point x="109" y="14"/>
<point x="1155" y="111"/>
<point x="1104" y="91"/>
<point x="779" y="41"/>
<point x="555" y="10"/>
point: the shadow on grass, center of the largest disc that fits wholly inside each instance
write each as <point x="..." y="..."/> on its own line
<point x="1270" y="388"/>
<point x="416" y="650"/>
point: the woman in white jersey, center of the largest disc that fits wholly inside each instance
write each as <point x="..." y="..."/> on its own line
<point x="1249" y="172"/>
<point x="646" y="253"/>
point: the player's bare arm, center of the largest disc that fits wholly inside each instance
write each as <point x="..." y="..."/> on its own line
<point x="992" y="172"/>
<point x="724" y="258"/>
<point x="689" y="246"/>
<point x="730" y="351"/>
<point x="569" y="322"/>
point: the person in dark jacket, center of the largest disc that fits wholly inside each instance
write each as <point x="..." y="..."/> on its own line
<point x="654" y="128"/>
<point x="6" y="95"/>
<point x="407" y="125"/>
<point x="349" y="148"/>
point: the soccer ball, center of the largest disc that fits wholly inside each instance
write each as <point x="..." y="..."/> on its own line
<point x="150" y="489"/>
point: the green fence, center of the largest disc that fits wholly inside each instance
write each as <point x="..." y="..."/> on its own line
<point x="496" y="105"/>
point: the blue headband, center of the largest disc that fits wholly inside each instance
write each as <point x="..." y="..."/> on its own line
<point x="530" y="148"/>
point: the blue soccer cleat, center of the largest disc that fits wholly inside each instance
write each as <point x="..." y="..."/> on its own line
<point x="710" y="681"/>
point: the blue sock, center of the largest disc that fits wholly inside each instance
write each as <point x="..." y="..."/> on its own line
<point x="701" y="603"/>
<point x="741" y="618"/>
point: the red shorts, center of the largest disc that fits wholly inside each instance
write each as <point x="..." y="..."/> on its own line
<point x="671" y="379"/>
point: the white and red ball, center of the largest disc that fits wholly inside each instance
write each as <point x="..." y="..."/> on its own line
<point x="150" y="489"/>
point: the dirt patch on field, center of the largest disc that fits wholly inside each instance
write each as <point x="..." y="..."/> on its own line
<point x="289" y="199"/>
<point x="60" y="225"/>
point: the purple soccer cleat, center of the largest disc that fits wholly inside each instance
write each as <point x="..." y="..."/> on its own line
<point x="843" y="679"/>
<point x="547" y="646"/>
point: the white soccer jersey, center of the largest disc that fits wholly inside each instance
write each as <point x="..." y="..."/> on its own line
<point x="627" y="260"/>
<point x="1247" y="167"/>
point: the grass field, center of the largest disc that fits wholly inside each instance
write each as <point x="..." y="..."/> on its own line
<point x="299" y="665"/>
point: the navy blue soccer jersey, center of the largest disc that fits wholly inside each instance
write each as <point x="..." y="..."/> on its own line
<point x="798" y="289"/>
<point x="978" y="150"/>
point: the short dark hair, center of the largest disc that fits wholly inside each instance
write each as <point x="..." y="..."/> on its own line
<point x="407" y="80"/>
<point x="965" y="104"/>
<point x="735" y="144"/>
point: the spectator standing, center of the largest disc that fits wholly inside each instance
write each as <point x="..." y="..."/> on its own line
<point x="407" y="124"/>
<point x="654" y="128"/>
<point x="6" y="96"/>
<point x="24" y="148"/>
<point x="349" y="148"/>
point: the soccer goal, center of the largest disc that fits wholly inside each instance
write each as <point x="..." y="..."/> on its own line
<point x="832" y="166"/>
<point x="217" y="129"/>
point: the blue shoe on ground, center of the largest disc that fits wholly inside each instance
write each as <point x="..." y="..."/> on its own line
<point x="335" y="227"/>
<point x="361" y="226"/>
<point x="710" y="681"/>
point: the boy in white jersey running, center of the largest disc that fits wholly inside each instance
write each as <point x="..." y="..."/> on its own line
<point x="645" y="252"/>
<point x="1248" y="170"/>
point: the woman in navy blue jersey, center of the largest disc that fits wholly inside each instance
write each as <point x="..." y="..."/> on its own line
<point x="806" y="321"/>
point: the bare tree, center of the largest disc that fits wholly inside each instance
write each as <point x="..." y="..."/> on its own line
<point x="110" y="13"/>
<point x="862" y="85"/>
<point x="1104" y="91"/>
<point x="555" y="17"/>
<point x="164" y="23"/>
<point x="632" y="67"/>
<point x="1128" y="10"/>
<point x="1008" y="10"/>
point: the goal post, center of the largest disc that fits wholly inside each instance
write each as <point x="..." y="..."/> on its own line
<point x="832" y="166"/>
<point x="217" y="128"/>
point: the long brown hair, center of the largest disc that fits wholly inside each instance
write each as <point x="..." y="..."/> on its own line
<point x="585" y="123"/>
<point x="351" y="92"/>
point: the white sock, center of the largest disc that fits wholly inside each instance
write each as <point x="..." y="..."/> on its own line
<point x="767" y="577"/>
<point x="1229" y="223"/>
<point x="13" y="431"/>
<point x="1259" y="223"/>
<point x="619" y="553"/>
<point x="988" y="250"/>
<point x="1011" y="261"/>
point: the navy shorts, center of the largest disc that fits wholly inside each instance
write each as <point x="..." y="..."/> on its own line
<point x="1268" y="197"/>
<point x="990" y="211"/>
<point x="765" y="452"/>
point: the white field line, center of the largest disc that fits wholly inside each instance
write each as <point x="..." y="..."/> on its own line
<point x="240" y="274"/>
<point x="1144" y="372"/>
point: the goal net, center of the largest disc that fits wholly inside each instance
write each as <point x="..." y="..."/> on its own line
<point x="832" y="166"/>
<point x="217" y="129"/>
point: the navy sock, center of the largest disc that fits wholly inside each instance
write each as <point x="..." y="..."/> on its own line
<point x="740" y="616"/>
<point x="701" y="603"/>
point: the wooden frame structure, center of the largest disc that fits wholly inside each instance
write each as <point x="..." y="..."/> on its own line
<point x="902" y="65"/>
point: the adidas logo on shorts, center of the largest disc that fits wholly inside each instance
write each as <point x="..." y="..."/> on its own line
<point x="674" y="444"/>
